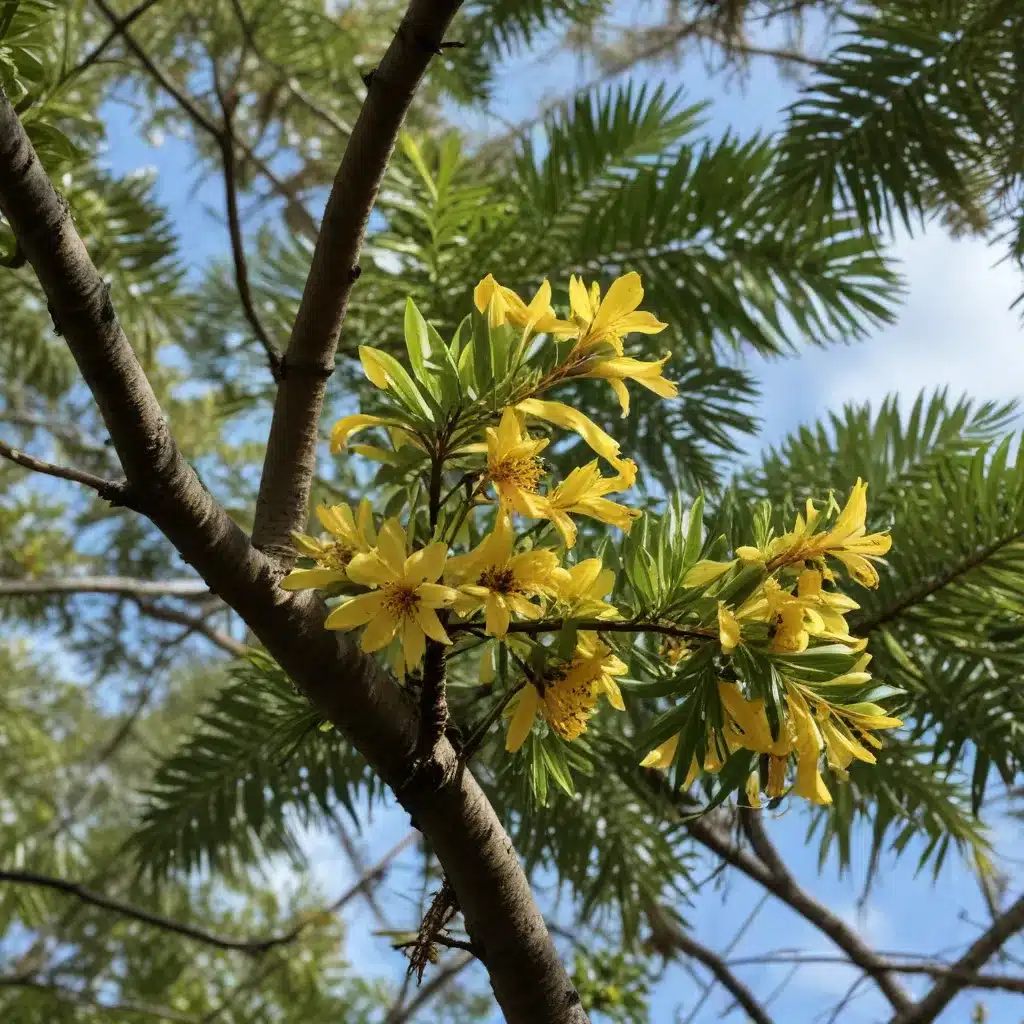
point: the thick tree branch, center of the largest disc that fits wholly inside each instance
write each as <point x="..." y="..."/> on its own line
<point x="689" y="946"/>
<point x="350" y="688"/>
<point x="784" y="886"/>
<point x="942" y="993"/>
<point x="115" y="492"/>
<point x="127" y="586"/>
<point x="283" y="501"/>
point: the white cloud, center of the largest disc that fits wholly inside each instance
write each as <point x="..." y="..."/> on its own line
<point x="955" y="328"/>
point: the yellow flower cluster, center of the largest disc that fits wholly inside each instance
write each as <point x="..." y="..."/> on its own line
<point x="406" y="591"/>
<point x="794" y="616"/>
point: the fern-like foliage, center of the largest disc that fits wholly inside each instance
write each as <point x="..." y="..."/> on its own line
<point x="257" y="764"/>
<point x="900" y="120"/>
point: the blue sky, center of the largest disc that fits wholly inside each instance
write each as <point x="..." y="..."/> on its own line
<point x="955" y="328"/>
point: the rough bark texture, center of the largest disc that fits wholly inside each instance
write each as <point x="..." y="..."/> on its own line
<point x="283" y="502"/>
<point x="531" y="984"/>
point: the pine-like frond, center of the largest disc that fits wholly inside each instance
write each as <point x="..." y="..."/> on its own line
<point x="905" y="798"/>
<point x="257" y="763"/>
<point x="897" y="121"/>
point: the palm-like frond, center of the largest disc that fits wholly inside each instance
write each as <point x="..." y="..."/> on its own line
<point x="256" y="764"/>
<point x="897" y="121"/>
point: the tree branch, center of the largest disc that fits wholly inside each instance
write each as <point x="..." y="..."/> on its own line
<point x="328" y="116"/>
<point x="195" y="622"/>
<point x="530" y="983"/>
<point x="942" y="993"/>
<point x="782" y="885"/>
<point x="787" y="889"/>
<point x="251" y="947"/>
<point x="283" y="500"/>
<point x="127" y="586"/>
<point x="968" y="979"/>
<point x="69" y="995"/>
<point x="598" y="626"/>
<point x="226" y="142"/>
<point x="109" y="490"/>
<point x="203" y="120"/>
<point x="922" y="592"/>
<point x="404" y="1014"/>
<point x="689" y="946"/>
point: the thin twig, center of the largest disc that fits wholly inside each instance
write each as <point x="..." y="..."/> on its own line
<point x="226" y="142"/>
<point x="444" y="977"/>
<point x="70" y="995"/>
<point x="165" y="613"/>
<point x="341" y="127"/>
<point x="116" y="492"/>
<point x="962" y="974"/>
<point x="600" y="626"/>
<point x="204" y="121"/>
<point x="950" y="972"/>
<point x="733" y="943"/>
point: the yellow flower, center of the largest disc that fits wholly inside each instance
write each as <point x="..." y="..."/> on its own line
<point x="809" y="783"/>
<point x="502" y="583"/>
<point x="569" y="698"/>
<point x="514" y="468"/>
<point x="728" y="629"/>
<point x="662" y="756"/>
<point x="568" y="418"/>
<point x="581" y="590"/>
<point x="611" y="319"/>
<point x="648" y="374"/>
<point x="332" y="556"/>
<point x="501" y="304"/>
<point x="583" y="492"/>
<point x="847" y="540"/>
<point x="403" y="601"/>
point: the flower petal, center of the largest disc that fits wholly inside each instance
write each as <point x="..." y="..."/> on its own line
<point x="521" y="722"/>
<point x="311" y="579"/>
<point x="427" y="563"/>
<point x="369" y="570"/>
<point x="356" y="612"/>
<point x="429" y="623"/>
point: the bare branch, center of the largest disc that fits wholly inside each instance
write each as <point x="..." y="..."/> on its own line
<point x="119" y="25"/>
<point x="328" y="116"/>
<point x="942" y="993"/>
<point x="251" y="947"/>
<point x="226" y="141"/>
<point x="445" y="976"/>
<point x="124" y="585"/>
<point x="964" y="978"/>
<point x="530" y="983"/>
<point x="296" y="208"/>
<point x="195" y="622"/>
<point x="785" y="887"/>
<point x="69" y="995"/>
<point x="115" y="492"/>
<point x="689" y="946"/>
<point x="290" y="463"/>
